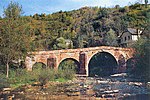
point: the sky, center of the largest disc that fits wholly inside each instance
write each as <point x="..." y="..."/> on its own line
<point x="31" y="7"/>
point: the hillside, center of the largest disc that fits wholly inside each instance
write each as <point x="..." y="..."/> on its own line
<point x="85" y="27"/>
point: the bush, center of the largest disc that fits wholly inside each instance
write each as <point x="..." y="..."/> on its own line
<point x="3" y="81"/>
<point x="25" y="76"/>
<point x="142" y="56"/>
<point x="45" y="76"/>
<point x="59" y="74"/>
<point x="19" y="77"/>
<point x="69" y="74"/>
<point x="2" y="69"/>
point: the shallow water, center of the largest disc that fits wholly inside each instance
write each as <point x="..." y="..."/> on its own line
<point x="118" y="88"/>
<point x="138" y="97"/>
<point x="121" y="88"/>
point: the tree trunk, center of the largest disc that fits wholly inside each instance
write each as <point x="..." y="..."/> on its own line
<point x="7" y="69"/>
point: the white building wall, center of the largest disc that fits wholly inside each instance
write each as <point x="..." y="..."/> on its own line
<point x="134" y="37"/>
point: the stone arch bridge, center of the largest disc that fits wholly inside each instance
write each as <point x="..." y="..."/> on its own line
<point x="83" y="56"/>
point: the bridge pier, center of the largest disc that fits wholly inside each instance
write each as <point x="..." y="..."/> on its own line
<point x="83" y="63"/>
<point x="29" y="63"/>
<point x="51" y="63"/>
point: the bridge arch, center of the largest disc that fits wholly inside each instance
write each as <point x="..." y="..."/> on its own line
<point x="71" y="58"/>
<point x="71" y="63"/>
<point x="106" y="51"/>
<point x="102" y="63"/>
<point x="38" y="65"/>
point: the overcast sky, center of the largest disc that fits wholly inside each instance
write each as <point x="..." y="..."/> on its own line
<point x="30" y="7"/>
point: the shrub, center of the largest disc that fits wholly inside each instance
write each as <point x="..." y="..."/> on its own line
<point x="142" y="56"/>
<point x="59" y="74"/>
<point x="24" y="76"/>
<point x="2" y="69"/>
<point x="3" y="81"/>
<point x="19" y="77"/>
<point x="69" y="74"/>
<point x="45" y="76"/>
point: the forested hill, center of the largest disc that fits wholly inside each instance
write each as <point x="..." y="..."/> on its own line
<point x="85" y="27"/>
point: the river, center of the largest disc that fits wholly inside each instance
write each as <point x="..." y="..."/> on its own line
<point x="120" y="87"/>
<point x="115" y="87"/>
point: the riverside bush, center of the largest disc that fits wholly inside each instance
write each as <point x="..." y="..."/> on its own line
<point x="69" y="74"/>
<point x="20" y="77"/>
<point x="59" y="74"/>
<point x="2" y="69"/>
<point x="3" y="81"/>
<point x="45" y="76"/>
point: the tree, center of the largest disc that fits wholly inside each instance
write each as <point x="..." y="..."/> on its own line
<point x="110" y="38"/>
<point x="146" y="2"/>
<point x="14" y="34"/>
<point x="15" y="41"/>
<point x="119" y="24"/>
<point x="142" y="56"/>
<point x="14" y="10"/>
<point x="60" y="43"/>
<point x="146" y="29"/>
<point x="104" y="12"/>
<point x="79" y="41"/>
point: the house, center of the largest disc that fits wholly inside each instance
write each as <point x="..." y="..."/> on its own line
<point x="129" y="36"/>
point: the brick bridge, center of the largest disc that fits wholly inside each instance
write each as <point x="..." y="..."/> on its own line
<point x="83" y="56"/>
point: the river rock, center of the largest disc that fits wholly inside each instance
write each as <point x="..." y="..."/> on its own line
<point x="73" y="94"/>
<point x="6" y="89"/>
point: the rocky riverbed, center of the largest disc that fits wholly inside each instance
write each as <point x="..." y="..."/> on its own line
<point x="81" y="88"/>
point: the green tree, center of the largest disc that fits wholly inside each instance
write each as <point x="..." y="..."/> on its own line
<point x="142" y="56"/>
<point x="79" y="41"/>
<point x="14" y="34"/>
<point x="146" y="2"/>
<point x="119" y="24"/>
<point x="146" y="29"/>
<point x="104" y="12"/>
<point x="14" y="10"/>
<point x="110" y="38"/>
<point x="15" y="41"/>
<point x="60" y="44"/>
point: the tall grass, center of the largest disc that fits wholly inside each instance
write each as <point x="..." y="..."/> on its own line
<point x="20" y="77"/>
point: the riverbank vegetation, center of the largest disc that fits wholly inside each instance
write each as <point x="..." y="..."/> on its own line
<point x="141" y="60"/>
<point x="20" y="77"/>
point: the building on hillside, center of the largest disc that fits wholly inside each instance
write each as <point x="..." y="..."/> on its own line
<point x="129" y="36"/>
